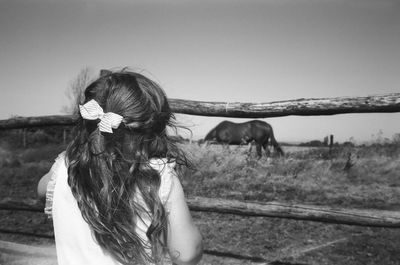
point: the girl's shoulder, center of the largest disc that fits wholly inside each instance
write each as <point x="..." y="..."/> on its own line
<point x="61" y="158"/>
<point x="59" y="166"/>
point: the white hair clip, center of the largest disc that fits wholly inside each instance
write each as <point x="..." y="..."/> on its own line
<point x="91" y="110"/>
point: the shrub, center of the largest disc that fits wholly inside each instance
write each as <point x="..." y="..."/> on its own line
<point x="45" y="153"/>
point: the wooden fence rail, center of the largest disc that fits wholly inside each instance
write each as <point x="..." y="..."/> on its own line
<point x="302" y="107"/>
<point x="360" y="217"/>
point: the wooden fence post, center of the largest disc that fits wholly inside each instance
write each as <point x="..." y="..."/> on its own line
<point x="24" y="138"/>
<point x="330" y="143"/>
<point x="64" y="136"/>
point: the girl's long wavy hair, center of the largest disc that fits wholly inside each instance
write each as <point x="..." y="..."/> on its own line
<point x="107" y="171"/>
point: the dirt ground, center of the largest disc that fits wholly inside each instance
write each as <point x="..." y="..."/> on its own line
<point x="278" y="241"/>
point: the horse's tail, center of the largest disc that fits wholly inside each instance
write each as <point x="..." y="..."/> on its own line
<point x="276" y="145"/>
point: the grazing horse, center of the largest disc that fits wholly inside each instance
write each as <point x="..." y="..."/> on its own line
<point x="243" y="133"/>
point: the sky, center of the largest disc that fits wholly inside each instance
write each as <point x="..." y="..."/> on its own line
<point x="220" y="50"/>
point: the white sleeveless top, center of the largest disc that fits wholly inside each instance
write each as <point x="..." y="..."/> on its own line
<point x="75" y="244"/>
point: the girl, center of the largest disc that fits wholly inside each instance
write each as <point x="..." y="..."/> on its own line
<point x="114" y="195"/>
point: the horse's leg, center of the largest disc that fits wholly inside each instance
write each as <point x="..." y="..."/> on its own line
<point x="266" y="149"/>
<point x="250" y="146"/>
<point x="258" y="148"/>
<point x="240" y="145"/>
<point x="226" y="147"/>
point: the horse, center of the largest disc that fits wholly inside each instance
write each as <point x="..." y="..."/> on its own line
<point x="257" y="131"/>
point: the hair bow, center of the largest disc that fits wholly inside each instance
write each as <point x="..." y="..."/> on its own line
<point x="91" y="110"/>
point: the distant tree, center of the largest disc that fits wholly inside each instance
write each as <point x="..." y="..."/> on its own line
<point x="39" y="136"/>
<point x="313" y="143"/>
<point x="396" y="138"/>
<point x="348" y="144"/>
<point x="326" y="141"/>
<point x="75" y="91"/>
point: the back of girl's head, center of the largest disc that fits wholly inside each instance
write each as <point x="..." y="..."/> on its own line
<point x="140" y="101"/>
<point x="107" y="170"/>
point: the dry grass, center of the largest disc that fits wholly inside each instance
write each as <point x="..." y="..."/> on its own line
<point x="304" y="175"/>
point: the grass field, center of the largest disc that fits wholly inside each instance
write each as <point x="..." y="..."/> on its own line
<point x="355" y="177"/>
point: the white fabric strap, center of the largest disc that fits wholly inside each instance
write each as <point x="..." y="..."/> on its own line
<point x="91" y="110"/>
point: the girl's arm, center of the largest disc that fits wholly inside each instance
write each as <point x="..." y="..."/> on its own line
<point x="184" y="239"/>
<point x="42" y="186"/>
<point x="43" y="182"/>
